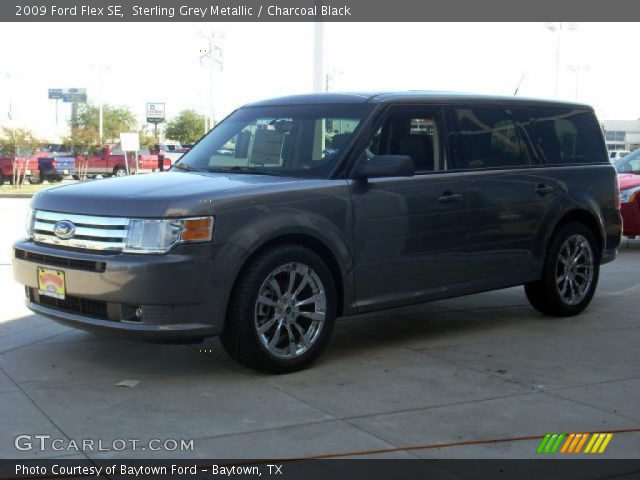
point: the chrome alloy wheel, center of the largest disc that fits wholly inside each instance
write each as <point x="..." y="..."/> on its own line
<point x="290" y="310"/>
<point x="574" y="269"/>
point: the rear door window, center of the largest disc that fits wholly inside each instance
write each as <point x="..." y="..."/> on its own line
<point x="490" y="138"/>
<point x="566" y="136"/>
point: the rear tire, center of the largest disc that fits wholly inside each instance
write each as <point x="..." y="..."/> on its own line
<point x="119" y="172"/>
<point x="570" y="273"/>
<point x="282" y="311"/>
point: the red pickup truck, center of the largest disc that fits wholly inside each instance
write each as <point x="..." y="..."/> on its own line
<point x="112" y="162"/>
<point x="7" y="163"/>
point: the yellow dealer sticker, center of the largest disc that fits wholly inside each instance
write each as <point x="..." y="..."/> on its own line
<point x="51" y="283"/>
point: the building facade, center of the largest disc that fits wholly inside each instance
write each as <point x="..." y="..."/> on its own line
<point x="622" y="134"/>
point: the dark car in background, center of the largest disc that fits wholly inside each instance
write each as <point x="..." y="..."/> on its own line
<point x="298" y="210"/>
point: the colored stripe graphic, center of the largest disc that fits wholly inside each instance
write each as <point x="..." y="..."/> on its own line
<point x="572" y="443"/>
<point x="582" y="440"/>
<point x="606" y="442"/>
<point x="551" y="442"/>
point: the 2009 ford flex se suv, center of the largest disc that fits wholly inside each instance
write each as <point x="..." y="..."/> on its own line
<point x="298" y="210"/>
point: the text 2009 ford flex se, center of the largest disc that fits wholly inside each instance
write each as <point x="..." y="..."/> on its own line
<point x="298" y="210"/>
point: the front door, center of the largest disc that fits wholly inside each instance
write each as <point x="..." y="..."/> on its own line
<point x="410" y="232"/>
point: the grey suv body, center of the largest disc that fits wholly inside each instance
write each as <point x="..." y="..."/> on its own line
<point x="295" y="211"/>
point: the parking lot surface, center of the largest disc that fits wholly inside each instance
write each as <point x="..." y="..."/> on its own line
<point x="482" y="367"/>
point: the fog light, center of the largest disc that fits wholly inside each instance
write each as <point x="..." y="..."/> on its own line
<point x="139" y="313"/>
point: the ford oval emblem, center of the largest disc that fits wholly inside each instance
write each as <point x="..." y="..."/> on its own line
<point x="64" y="229"/>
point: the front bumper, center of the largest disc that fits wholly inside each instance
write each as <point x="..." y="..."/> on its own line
<point x="104" y="291"/>
<point x="141" y="331"/>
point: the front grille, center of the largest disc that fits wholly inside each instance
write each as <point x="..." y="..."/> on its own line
<point x="91" y="232"/>
<point x="71" y="304"/>
<point x="88" y="265"/>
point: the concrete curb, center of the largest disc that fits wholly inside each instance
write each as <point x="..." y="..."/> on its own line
<point x="16" y="195"/>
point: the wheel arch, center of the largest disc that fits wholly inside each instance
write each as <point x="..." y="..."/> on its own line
<point x="310" y="242"/>
<point x="587" y="218"/>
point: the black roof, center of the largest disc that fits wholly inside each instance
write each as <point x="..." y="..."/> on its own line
<point x="411" y="96"/>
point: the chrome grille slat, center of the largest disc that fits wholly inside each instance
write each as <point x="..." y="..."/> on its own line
<point x="81" y="219"/>
<point x="85" y="231"/>
<point x="91" y="233"/>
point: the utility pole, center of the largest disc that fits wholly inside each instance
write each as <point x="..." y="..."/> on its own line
<point x="213" y="54"/>
<point x="318" y="55"/>
<point x="557" y="28"/>
<point x="101" y="69"/>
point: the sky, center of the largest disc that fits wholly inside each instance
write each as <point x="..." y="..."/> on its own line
<point x="135" y="63"/>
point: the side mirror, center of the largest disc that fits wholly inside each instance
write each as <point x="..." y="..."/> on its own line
<point x="385" y="166"/>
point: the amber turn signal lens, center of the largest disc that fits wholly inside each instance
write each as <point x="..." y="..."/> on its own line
<point x="197" y="229"/>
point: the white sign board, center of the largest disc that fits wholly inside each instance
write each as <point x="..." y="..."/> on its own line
<point x="155" y="112"/>
<point x="130" y="142"/>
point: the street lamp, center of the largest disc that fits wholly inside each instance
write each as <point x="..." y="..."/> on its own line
<point x="213" y="54"/>
<point x="330" y="78"/>
<point x="318" y="55"/>
<point x="557" y="28"/>
<point x="577" y="69"/>
<point x="101" y="69"/>
<point x="9" y="77"/>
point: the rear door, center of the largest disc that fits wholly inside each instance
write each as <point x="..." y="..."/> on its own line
<point x="410" y="232"/>
<point x="509" y="194"/>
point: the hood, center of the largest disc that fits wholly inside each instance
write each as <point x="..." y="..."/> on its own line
<point x="628" y="180"/>
<point x="149" y="195"/>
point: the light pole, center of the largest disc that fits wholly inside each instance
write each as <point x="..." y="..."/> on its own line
<point x="213" y="54"/>
<point x="557" y="28"/>
<point x="101" y="69"/>
<point x="577" y="69"/>
<point x="330" y="78"/>
<point x="9" y="77"/>
<point x="318" y="55"/>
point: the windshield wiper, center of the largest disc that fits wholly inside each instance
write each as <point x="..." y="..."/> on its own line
<point x="186" y="167"/>
<point x="241" y="169"/>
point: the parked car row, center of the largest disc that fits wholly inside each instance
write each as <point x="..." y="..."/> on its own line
<point x="615" y="155"/>
<point x="54" y="162"/>
<point x="111" y="161"/>
<point x="171" y="151"/>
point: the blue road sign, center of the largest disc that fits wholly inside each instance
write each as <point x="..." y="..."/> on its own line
<point x="55" y="93"/>
<point x="74" y="97"/>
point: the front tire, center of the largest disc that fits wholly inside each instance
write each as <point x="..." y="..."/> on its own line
<point x="119" y="172"/>
<point x="570" y="274"/>
<point x="282" y="311"/>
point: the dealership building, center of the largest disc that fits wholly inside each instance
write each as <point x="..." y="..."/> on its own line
<point x="622" y="134"/>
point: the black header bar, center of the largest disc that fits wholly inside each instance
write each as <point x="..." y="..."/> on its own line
<point x="316" y="10"/>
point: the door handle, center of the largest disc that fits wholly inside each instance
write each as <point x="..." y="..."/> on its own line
<point x="448" y="197"/>
<point x="543" y="189"/>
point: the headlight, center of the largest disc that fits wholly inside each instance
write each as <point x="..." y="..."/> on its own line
<point x="159" y="236"/>
<point x="31" y="218"/>
<point x="629" y="195"/>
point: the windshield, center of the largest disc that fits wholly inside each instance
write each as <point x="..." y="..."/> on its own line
<point x="629" y="163"/>
<point x="297" y="140"/>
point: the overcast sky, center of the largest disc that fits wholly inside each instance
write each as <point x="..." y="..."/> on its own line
<point x="158" y="62"/>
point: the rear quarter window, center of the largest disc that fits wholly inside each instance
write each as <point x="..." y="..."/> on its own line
<point x="565" y="136"/>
